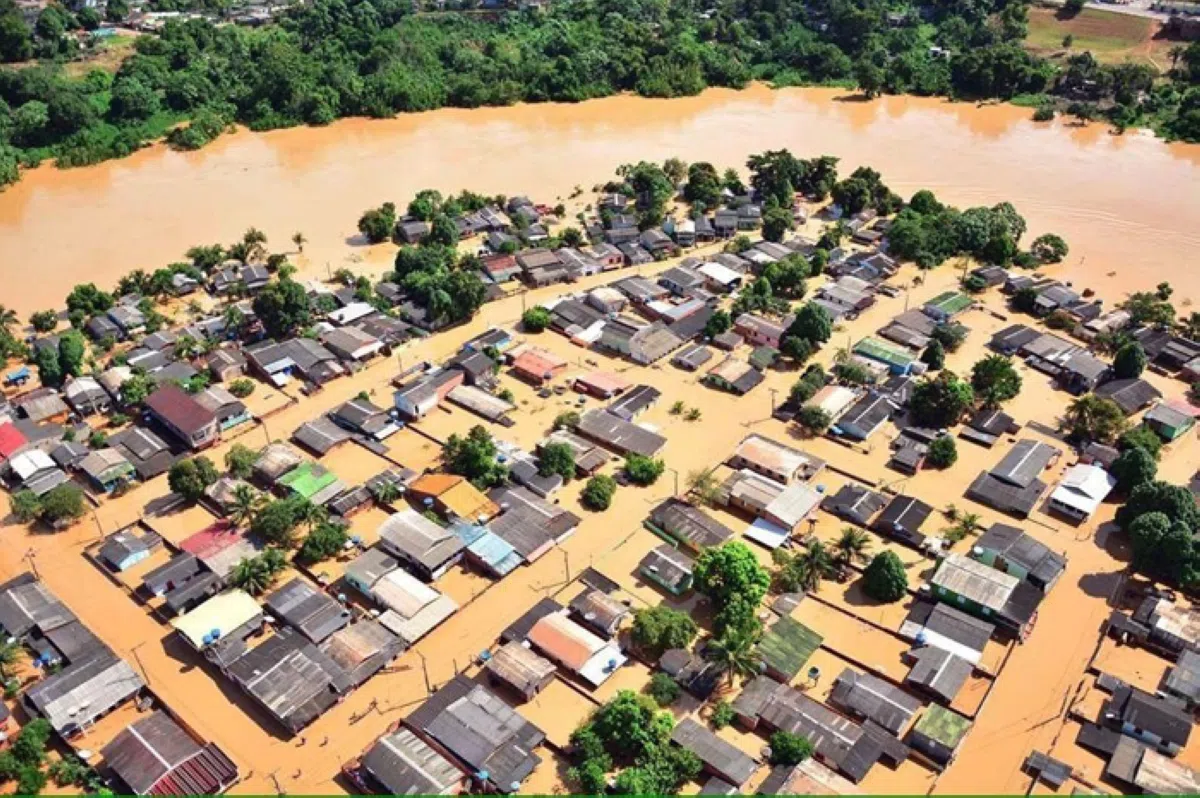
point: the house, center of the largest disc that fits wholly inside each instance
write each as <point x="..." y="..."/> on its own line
<point x="588" y="656"/>
<point x="719" y="758"/>
<point x="896" y="359"/>
<point x="854" y="503"/>
<point x="351" y="344"/>
<point x="421" y="395"/>
<point x="229" y="410"/>
<point x="519" y="669"/>
<point x="274" y="461"/>
<point x="528" y="523"/>
<point x="681" y="280"/>
<point x="720" y="278"/>
<point x="987" y="593"/>
<point x="500" y="267"/>
<point x="938" y="733"/>
<point x="761" y="331"/>
<point x="312" y="482"/>
<point x="146" y="451"/>
<point x="658" y="243"/>
<point x="475" y="726"/>
<point x="692" y="357"/>
<point x="774" y="460"/>
<point x="183" y="416"/>
<point x="641" y="290"/>
<point x="1149" y="719"/>
<point x="1013" y="485"/>
<point x="902" y="520"/>
<point x="537" y="366"/>
<point x="633" y="402"/>
<point x="945" y="306"/>
<point x="363" y="417"/>
<point x="101" y="327"/>
<point x="618" y="434"/>
<point x="125" y="548"/>
<point x="41" y="405"/>
<point x="411" y="231"/>
<point x="668" y="568"/>
<point x="941" y="626"/>
<point x="785" y="648"/>
<point x="1081" y="491"/>
<point x="737" y="376"/>
<point x="1183" y="679"/>
<point x="1011" y="551"/>
<point x="290" y="678"/>
<point x="937" y="672"/>
<point x="606" y="299"/>
<point x="1082" y="372"/>
<point x="1172" y="419"/>
<point x="106" y="469"/>
<point x="986" y="427"/>
<point x="652" y="343"/>
<point x="401" y="763"/>
<point x="865" y="417"/>
<point x="428" y="549"/>
<point x="1013" y="339"/>
<point x="33" y="470"/>
<point x="678" y="522"/>
<point x="312" y="613"/>
<point x="601" y="384"/>
<point x="226" y="616"/>
<point x="226" y="365"/>
<point x="1130" y="395"/>
<point x="156" y="756"/>
<point x="869" y="698"/>
<point x="599" y="612"/>
<point x="363" y="649"/>
<point x="129" y="320"/>
<point x="453" y="497"/>
<point x="279" y="362"/>
<point x="86" y="397"/>
<point x="483" y="404"/>
<point x="412" y="609"/>
<point x="1172" y="627"/>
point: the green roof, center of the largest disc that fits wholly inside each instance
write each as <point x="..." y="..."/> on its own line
<point x="943" y="726"/>
<point x="764" y="356"/>
<point x="883" y="352"/>
<point x="308" y="480"/>
<point x="787" y="646"/>
<point x="951" y="302"/>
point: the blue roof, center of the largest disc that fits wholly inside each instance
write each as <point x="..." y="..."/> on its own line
<point x="18" y="374"/>
<point x="488" y="547"/>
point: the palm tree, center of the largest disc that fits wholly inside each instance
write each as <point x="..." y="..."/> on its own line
<point x="273" y="560"/>
<point x="255" y="241"/>
<point x="299" y="240"/>
<point x="10" y="654"/>
<point x="810" y="565"/>
<point x="186" y="347"/>
<point x="705" y="485"/>
<point x="252" y="576"/>
<point x="246" y="502"/>
<point x="965" y="525"/>
<point x="8" y="317"/>
<point x="314" y="515"/>
<point x="734" y="655"/>
<point x="852" y="546"/>
<point x="387" y="493"/>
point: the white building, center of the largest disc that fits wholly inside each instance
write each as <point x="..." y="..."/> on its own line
<point x="1082" y="489"/>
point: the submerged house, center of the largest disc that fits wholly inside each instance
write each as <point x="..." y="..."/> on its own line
<point x="1013" y="485"/>
<point x="1010" y="550"/>
<point x="987" y="593"/>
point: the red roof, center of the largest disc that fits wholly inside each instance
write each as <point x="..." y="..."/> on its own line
<point x="211" y="541"/>
<point x="207" y="773"/>
<point x="11" y="440"/>
<point x="176" y="407"/>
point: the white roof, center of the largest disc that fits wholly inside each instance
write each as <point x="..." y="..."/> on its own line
<point x="410" y="630"/>
<point x="1084" y="487"/>
<point x="834" y="399"/>
<point x="719" y="273"/>
<point x="602" y="665"/>
<point x="403" y="593"/>
<point x="768" y="534"/>
<point x="793" y="505"/>
<point x="352" y="312"/>
<point x="30" y="462"/>
<point x="223" y="614"/>
<point x="685" y="226"/>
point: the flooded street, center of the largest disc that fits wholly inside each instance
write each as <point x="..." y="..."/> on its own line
<point x="1127" y="205"/>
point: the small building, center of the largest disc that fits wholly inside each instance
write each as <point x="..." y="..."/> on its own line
<point x="599" y="612"/>
<point x="156" y="756"/>
<point x="538" y="366"/>
<point x="786" y="647"/>
<point x="669" y="568"/>
<point x="86" y="397"/>
<point x="453" y="496"/>
<point x="633" y="402"/>
<point x="125" y="548"/>
<point x="351" y="343"/>
<point x="854" y="503"/>
<point x="230" y="615"/>
<point x="519" y="669"/>
<point x="314" y="614"/>
<point x="1172" y="419"/>
<point x="1130" y="395"/>
<point x="1013" y="485"/>
<point x="528" y="523"/>
<point x="692" y="357"/>
<point x="186" y="418"/>
<point x="584" y="654"/>
<point x="1183" y="679"/>
<point x="719" y="758"/>
<point x="602" y="384"/>
<point x="106" y="469"/>
<point x="870" y="698"/>
<point x="275" y="460"/>
<point x="1149" y="719"/>
<point x="421" y="395"/>
<point x="865" y="417"/>
<point x="619" y="435"/>
<point x="937" y="672"/>
<point x="363" y="417"/>
<point x="1081" y="491"/>
<point x="1173" y="627"/>
<point x="427" y="548"/>
<point x="313" y="482"/>
<point x="678" y="522"/>
<point x="947" y="305"/>
<point x="1011" y="551"/>
<point x="761" y="331"/>
<point x="774" y="460"/>
<point x="902" y="519"/>
<point x="987" y="593"/>
<point x="401" y="763"/>
<point x="938" y="734"/>
<point x="941" y="626"/>
<point x="226" y="364"/>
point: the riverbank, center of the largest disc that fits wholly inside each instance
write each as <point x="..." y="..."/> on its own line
<point x="1128" y="230"/>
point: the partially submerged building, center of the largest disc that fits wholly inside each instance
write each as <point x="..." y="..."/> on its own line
<point x="981" y="590"/>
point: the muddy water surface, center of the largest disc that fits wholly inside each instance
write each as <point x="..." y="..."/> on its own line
<point x="1129" y="205"/>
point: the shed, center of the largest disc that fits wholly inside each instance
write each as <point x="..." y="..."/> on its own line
<point x="156" y="756"/>
<point x="938" y="733"/>
<point x="938" y="672"/>
<point x="871" y="698"/>
<point x="519" y="669"/>
<point x="401" y="763"/>
<point x="719" y="757"/>
<point x="314" y="614"/>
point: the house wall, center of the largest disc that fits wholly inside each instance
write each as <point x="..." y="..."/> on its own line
<point x="738" y="462"/>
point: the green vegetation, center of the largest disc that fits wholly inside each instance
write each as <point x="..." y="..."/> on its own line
<point x="598" y="492"/>
<point x="941" y="401"/>
<point x="557" y="458"/>
<point x="474" y="457"/>
<point x="813" y="420"/>
<point x="643" y="470"/>
<point x="994" y="380"/>
<point x="807" y="386"/>
<point x="658" y="628"/>
<point x="934" y="355"/>
<point x="566" y="420"/>
<point x="376" y="224"/>
<point x="58" y="507"/>
<point x="789" y="749"/>
<point x="803" y="570"/>
<point x="189" y="478"/>
<point x="443" y="284"/>
<point x="239" y="460"/>
<point x="322" y="542"/>
<point x="1133" y="467"/>
<point x="735" y="583"/>
<point x="943" y="452"/>
<point x="1094" y="418"/>
<point x="1130" y="361"/>
<point x="535" y="320"/>
<point x="663" y="689"/>
<point x="257" y="575"/>
<point x="1141" y="437"/>
<point x="722" y="715"/>
<point x="1161" y="520"/>
<point x="885" y="578"/>
<point x="276" y="523"/>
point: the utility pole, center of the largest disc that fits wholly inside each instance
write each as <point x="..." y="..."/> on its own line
<point x="29" y="556"/>
<point x="772" y="391"/>
<point x="675" y="474"/>
<point x="141" y="665"/>
<point x="566" y="563"/>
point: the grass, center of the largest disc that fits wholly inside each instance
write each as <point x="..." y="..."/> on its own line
<point x="1111" y="37"/>
<point x="107" y="55"/>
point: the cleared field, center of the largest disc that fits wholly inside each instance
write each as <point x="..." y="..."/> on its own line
<point x="1111" y="37"/>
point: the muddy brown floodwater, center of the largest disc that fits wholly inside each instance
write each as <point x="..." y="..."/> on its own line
<point x="1128" y="205"/>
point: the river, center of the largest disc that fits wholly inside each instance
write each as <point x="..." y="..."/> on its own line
<point x="1128" y="205"/>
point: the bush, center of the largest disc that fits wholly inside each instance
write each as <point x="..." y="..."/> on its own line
<point x="789" y="749"/>
<point x="658" y="628"/>
<point x="663" y="689"/>
<point x="807" y="386"/>
<point x="643" y="470"/>
<point x="26" y="506"/>
<point x="566" y="420"/>
<point x="44" y="320"/>
<point x="239" y="460"/>
<point x="1134" y="466"/>
<point x="321" y="543"/>
<point x="934" y="355"/>
<point x="1130" y="361"/>
<point x="813" y="420"/>
<point x="943" y="452"/>
<point x="189" y="478"/>
<point x="598" y="492"/>
<point x="885" y="578"/>
<point x="64" y="503"/>
<point x="1141" y="437"/>
<point x="722" y="715"/>
<point x="535" y="319"/>
<point x="557" y="458"/>
<point x="241" y="388"/>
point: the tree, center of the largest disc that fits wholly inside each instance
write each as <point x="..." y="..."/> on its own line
<point x="299" y="240"/>
<point x="1134" y="466"/>
<point x="806" y="387"/>
<point x="598" y="492"/>
<point x="934" y="355"/>
<point x="377" y="224"/>
<point x="246" y="503"/>
<point x="116" y="10"/>
<point x="536" y="319"/>
<point x="851" y="546"/>
<point x="1094" y="418"/>
<point x="44" y="320"/>
<point x="241" y="387"/>
<point x="943" y="452"/>
<point x="30" y="781"/>
<point x="703" y="186"/>
<point x="1141" y="437"/>
<point x="719" y="322"/>
<point x="885" y="578"/>
<point x="940" y="402"/>
<point x="11" y="652"/>
<point x="731" y="577"/>
<point x="813" y="419"/>
<point x="443" y="231"/>
<point x="994" y="380"/>
<point x="789" y="749"/>
<point x="240" y="459"/>
<point x="1049" y="248"/>
<point x="734" y="654"/>
<point x="283" y="307"/>
<point x="557" y="458"/>
<point x="189" y="478"/>
<point x="322" y="542"/>
<point x="1175" y="501"/>
<point x="813" y="323"/>
<point x="643" y="470"/>
<point x="802" y="571"/>
<point x="658" y="628"/>
<point x="663" y="689"/>
<point x="474" y="457"/>
<point x="776" y="221"/>
<point x="256" y="575"/>
<point x="566" y="420"/>
<point x="26" y="506"/>
<point x="276" y="523"/>
<point x="1130" y="361"/>
<point x="631" y="726"/>
<point x="62" y="504"/>
<point x="50" y="371"/>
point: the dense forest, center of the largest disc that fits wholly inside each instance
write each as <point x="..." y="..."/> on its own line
<point x="335" y="58"/>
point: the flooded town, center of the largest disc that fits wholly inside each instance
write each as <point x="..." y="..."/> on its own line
<point x="646" y="470"/>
